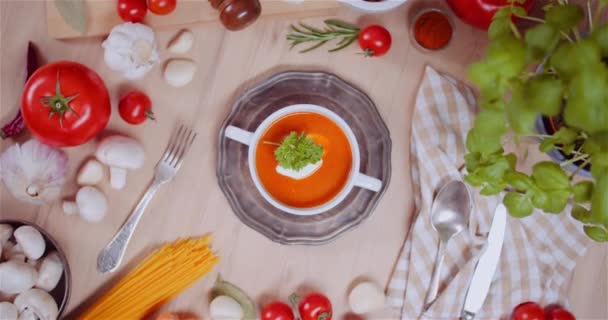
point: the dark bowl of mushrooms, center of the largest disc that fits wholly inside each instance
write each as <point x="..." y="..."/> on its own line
<point x="34" y="273"/>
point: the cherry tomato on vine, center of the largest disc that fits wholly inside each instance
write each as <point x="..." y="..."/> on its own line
<point x="65" y="103"/>
<point x="315" y="306"/>
<point x="132" y="10"/>
<point x="375" y="41"/>
<point x="135" y="107"/>
<point x="277" y="311"/>
<point x="528" y="311"/>
<point x="162" y="7"/>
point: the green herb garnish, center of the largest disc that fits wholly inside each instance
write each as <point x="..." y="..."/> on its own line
<point x="297" y="151"/>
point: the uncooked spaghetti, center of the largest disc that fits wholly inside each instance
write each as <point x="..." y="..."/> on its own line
<point x="161" y="276"/>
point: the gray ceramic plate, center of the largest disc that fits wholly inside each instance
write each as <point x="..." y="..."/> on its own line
<point x="296" y="87"/>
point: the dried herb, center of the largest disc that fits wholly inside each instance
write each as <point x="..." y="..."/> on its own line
<point x="73" y="13"/>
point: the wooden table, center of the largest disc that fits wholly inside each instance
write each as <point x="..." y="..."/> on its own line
<point x="193" y="203"/>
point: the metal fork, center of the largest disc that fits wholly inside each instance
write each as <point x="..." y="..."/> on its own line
<point x="111" y="256"/>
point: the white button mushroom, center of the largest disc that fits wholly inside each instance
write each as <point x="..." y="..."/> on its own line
<point x="50" y="272"/>
<point x="31" y="241"/>
<point x="36" y="304"/>
<point x="366" y="297"/>
<point x="13" y="251"/>
<point x="120" y="153"/>
<point x="90" y="174"/>
<point x="8" y="311"/>
<point x="92" y="204"/>
<point x="6" y="232"/>
<point x="16" y="276"/>
<point x="225" y="307"/>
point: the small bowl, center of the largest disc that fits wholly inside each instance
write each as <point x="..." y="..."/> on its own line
<point x="374" y="6"/>
<point x="413" y="35"/>
<point x="61" y="293"/>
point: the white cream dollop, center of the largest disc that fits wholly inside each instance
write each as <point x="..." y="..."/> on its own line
<point x="131" y="49"/>
<point x="304" y="173"/>
<point x="34" y="172"/>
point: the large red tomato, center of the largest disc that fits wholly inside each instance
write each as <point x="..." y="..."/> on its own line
<point x="65" y="104"/>
<point x="479" y="13"/>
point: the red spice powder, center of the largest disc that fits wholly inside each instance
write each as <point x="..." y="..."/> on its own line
<point x="432" y="30"/>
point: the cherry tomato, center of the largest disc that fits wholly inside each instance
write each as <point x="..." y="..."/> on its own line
<point x="277" y="311"/>
<point x="556" y="312"/>
<point x="375" y="41"/>
<point x="315" y="306"/>
<point x="162" y="7"/>
<point x="528" y="311"/>
<point x="135" y="107"/>
<point x="132" y="10"/>
<point x="65" y="104"/>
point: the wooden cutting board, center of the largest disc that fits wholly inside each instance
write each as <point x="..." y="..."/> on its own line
<point x="102" y="15"/>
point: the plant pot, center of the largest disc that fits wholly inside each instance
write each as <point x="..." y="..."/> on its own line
<point x="545" y="125"/>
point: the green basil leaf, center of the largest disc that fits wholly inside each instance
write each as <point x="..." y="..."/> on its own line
<point x="565" y="16"/>
<point x="566" y="135"/>
<point x="587" y="103"/>
<point x="581" y="214"/>
<point x="518" y="204"/>
<point x="519" y="11"/>
<point x="541" y="39"/>
<point x="520" y="117"/>
<point x="477" y="142"/>
<point x="582" y="191"/>
<point x="519" y="181"/>
<point x="543" y="94"/>
<point x="492" y="188"/>
<point x="600" y="34"/>
<point x="472" y="160"/>
<point x="474" y="180"/>
<point x="547" y="144"/>
<point x="550" y="176"/>
<point x="556" y="201"/>
<point x="599" y="200"/>
<point x="494" y="171"/>
<point x="499" y="27"/>
<point x="596" y="233"/>
<point x="490" y="123"/>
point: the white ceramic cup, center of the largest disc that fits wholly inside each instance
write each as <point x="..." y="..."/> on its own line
<point x="374" y="6"/>
<point x="355" y="179"/>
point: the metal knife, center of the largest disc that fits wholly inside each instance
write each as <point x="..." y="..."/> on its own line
<point x="486" y="266"/>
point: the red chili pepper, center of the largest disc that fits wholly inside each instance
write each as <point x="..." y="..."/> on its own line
<point x="479" y="13"/>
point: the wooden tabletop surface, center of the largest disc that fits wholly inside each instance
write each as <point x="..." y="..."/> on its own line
<point x="228" y="63"/>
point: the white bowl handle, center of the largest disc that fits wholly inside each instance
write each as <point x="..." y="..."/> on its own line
<point x="238" y="134"/>
<point x="367" y="182"/>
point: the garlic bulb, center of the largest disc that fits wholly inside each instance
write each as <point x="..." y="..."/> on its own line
<point x="131" y="49"/>
<point x="33" y="172"/>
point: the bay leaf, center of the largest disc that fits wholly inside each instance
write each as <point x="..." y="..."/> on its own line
<point x="73" y="13"/>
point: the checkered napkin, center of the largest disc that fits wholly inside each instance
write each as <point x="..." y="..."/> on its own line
<point x="539" y="251"/>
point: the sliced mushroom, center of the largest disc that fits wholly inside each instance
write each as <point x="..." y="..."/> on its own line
<point x="36" y="304"/>
<point x="17" y="276"/>
<point x="50" y="272"/>
<point x="8" y="311"/>
<point x="31" y="241"/>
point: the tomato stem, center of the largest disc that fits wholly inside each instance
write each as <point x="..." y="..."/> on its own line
<point x="58" y="103"/>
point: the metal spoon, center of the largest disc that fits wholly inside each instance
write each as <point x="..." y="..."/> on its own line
<point x="449" y="216"/>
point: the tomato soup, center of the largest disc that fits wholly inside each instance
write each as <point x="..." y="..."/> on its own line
<point x="324" y="184"/>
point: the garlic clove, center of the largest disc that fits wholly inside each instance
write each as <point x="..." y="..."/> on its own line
<point x="182" y="42"/>
<point x="92" y="204"/>
<point x="90" y="174"/>
<point x="34" y="172"/>
<point x="179" y="72"/>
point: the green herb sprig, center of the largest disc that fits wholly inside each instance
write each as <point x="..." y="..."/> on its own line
<point x="333" y="30"/>
<point x="296" y="151"/>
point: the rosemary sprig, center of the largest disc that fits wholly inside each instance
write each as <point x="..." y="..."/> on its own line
<point x="333" y="30"/>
